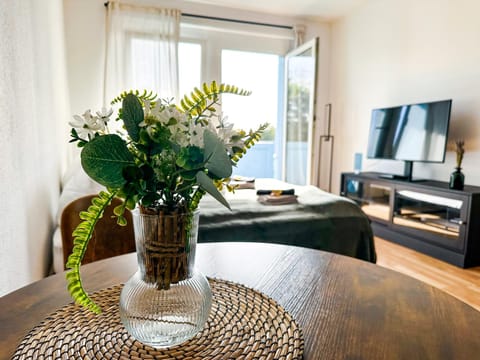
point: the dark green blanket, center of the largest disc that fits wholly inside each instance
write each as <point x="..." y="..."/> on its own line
<point x="320" y="220"/>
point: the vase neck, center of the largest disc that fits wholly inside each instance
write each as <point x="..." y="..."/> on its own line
<point x="165" y="246"/>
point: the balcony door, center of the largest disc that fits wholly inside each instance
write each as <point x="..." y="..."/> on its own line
<point x="301" y="74"/>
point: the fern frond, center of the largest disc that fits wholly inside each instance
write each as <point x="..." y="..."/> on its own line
<point x="196" y="103"/>
<point x="142" y="96"/>
<point x="81" y="236"/>
<point x="252" y="138"/>
<point x="199" y="192"/>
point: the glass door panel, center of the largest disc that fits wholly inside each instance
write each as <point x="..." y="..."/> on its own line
<point x="430" y="213"/>
<point x="189" y="67"/>
<point x="377" y="201"/>
<point x="258" y="108"/>
<point x="301" y="65"/>
<point x="374" y="199"/>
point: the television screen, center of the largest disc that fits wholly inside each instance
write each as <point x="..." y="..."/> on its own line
<point x="416" y="132"/>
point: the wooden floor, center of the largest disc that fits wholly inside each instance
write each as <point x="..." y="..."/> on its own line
<point x="464" y="284"/>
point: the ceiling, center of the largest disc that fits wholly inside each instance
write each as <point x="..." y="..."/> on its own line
<point x="315" y="9"/>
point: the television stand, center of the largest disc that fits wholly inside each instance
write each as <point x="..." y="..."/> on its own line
<point x="426" y="216"/>
<point x="408" y="171"/>
<point x="393" y="177"/>
<point x="399" y="177"/>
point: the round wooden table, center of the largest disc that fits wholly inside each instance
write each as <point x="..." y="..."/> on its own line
<point x="347" y="308"/>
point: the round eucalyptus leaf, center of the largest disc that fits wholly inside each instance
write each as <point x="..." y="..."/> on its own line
<point x="104" y="159"/>
<point x="207" y="184"/>
<point x="216" y="158"/>
<point x="132" y="115"/>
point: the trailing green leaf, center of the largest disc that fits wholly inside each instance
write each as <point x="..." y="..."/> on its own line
<point x="143" y="96"/>
<point x="197" y="196"/>
<point x="196" y="103"/>
<point x="253" y="137"/>
<point x="81" y="236"/>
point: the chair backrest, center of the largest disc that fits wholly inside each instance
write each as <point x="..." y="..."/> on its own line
<point x="109" y="238"/>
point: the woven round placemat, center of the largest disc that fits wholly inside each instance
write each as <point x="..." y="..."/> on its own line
<point x="243" y="324"/>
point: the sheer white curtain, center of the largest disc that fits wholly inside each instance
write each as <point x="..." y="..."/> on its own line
<point x="33" y="136"/>
<point x="142" y="46"/>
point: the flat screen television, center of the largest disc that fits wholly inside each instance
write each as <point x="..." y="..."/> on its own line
<point x="414" y="132"/>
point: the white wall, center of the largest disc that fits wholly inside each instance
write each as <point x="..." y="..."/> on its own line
<point x="85" y="46"/>
<point x="391" y="52"/>
<point x="33" y="108"/>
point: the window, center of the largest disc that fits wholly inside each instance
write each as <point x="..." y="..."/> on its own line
<point x="250" y="57"/>
<point x="189" y="67"/>
<point x="143" y="52"/>
<point x="262" y="78"/>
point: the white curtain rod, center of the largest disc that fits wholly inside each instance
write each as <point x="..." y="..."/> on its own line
<point x="232" y="20"/>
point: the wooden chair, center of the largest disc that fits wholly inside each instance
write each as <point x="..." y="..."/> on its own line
<point x="109" y="238"/>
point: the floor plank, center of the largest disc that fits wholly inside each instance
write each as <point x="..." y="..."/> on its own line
<point x="464" y="284"/>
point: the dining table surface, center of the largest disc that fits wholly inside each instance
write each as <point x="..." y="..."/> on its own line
<point x="346" y="308"/>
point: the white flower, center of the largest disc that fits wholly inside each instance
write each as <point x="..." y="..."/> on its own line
<point x="87" y="124"/>
<point x="167" y="116"/>
<point x="146" y="106"/>
<point x="228" y="135"/>
<point x="196" y="134"/>
<point x="170" y="116"/>
<point x="104" y="115"/>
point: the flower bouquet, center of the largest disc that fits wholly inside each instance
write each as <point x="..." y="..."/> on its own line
<point x="162" y="161"/>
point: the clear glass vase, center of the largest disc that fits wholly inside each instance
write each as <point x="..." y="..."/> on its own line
<point x="167" y="301"/>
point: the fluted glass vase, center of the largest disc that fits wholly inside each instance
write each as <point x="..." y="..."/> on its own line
<point x="167" y="301"/>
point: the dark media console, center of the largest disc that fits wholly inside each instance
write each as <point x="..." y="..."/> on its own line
<point x="393" y="177"/>
<point x="426" y="216"/>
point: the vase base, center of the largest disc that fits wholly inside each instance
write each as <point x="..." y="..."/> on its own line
<point x="164" y="318"/>
<point x="162" y="341"/>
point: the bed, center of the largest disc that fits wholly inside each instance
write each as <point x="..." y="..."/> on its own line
<point x="318" y="219"/>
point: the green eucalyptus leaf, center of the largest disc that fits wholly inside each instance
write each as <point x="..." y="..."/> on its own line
<point x="104" y="158"/>
<point x="132" y="115"/>
<point x="207" y="184"/>
<point x="217" y="161"/>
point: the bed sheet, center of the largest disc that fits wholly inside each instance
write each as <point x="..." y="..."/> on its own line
<point x="319" y="220"/>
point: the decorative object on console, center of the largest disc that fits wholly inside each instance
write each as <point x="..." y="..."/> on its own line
<point x="457" y="178"/>
<point x="169" y="157"/>
<point x="357" y="162"/>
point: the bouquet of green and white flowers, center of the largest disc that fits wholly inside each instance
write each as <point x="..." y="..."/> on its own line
<point x="165" y="159"/>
